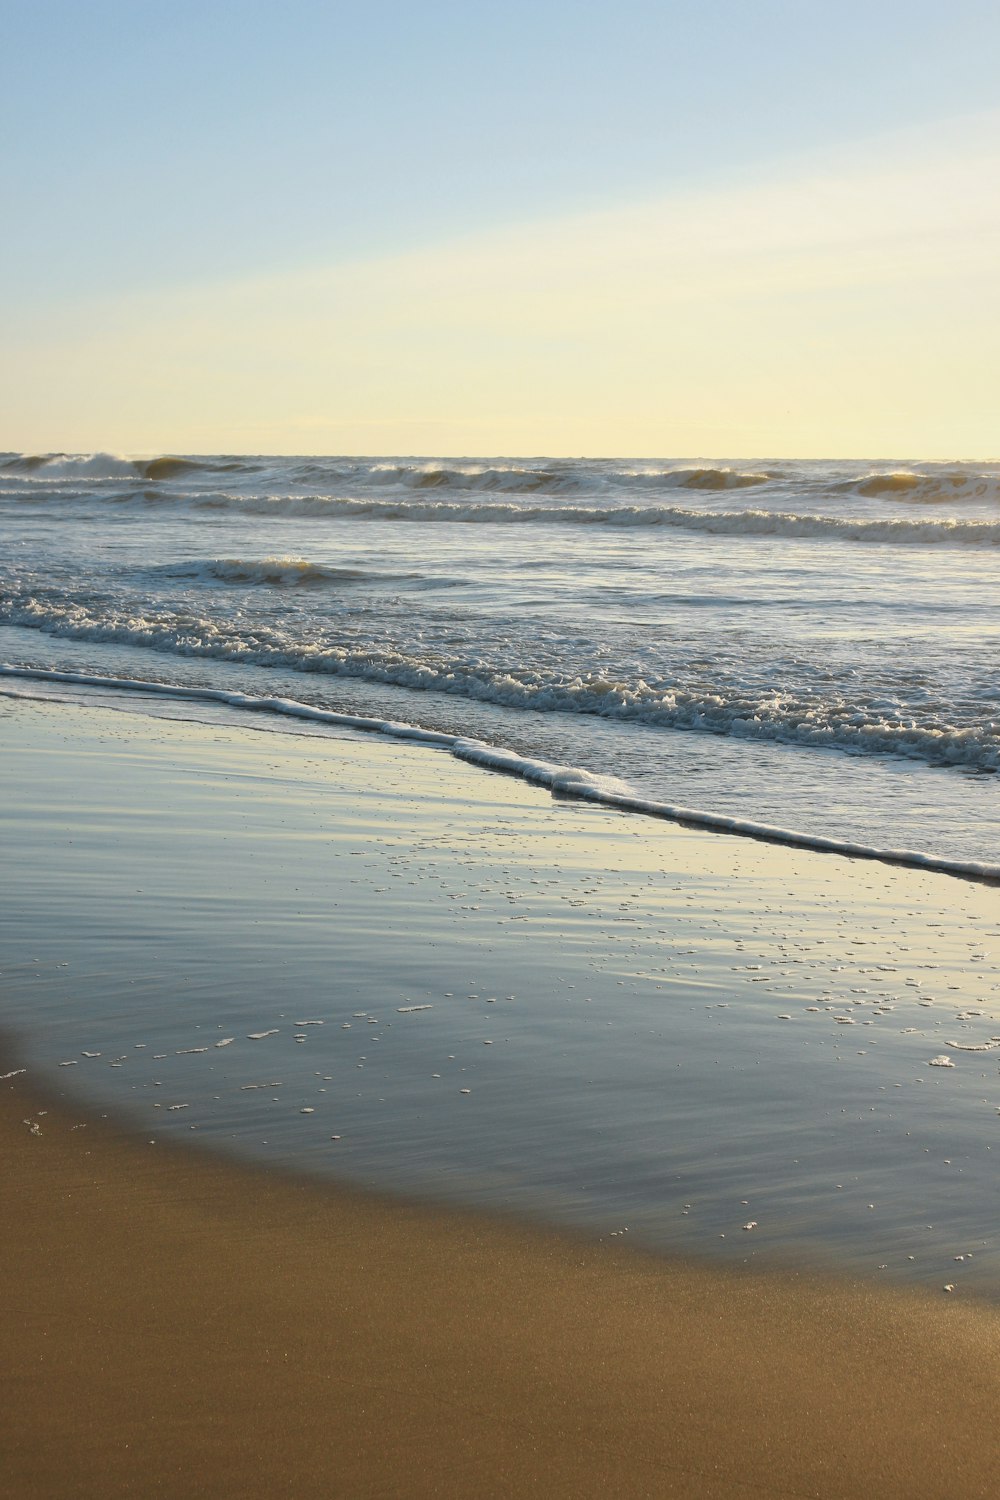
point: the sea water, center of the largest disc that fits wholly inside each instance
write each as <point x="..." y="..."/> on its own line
<point x="806" y="650"/>
<point x="809" y="646"/>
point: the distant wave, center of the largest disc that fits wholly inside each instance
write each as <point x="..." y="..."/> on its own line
<point x="736" y="711"/>
<point x="891" y="531"/>
<point x="528" y="481"/>
<point x="928" y="489"/>
<point x="62" y="466"/>
<point x="56" y="467"/>
<point x="282" y="572"/>
<point x="170" y="468"/>
<point x="564" y="781"/>
<point x="886" y="531"/>
<point x="514" y="478"/>
<point x="596" y="478"/>
<point x="751" y="523"/>
<point x="418" y="475"/>
<point x="932" y="505"/>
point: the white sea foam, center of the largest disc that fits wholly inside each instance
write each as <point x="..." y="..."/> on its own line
<point x="738" y="709"/>
<point x="564" y="781"/>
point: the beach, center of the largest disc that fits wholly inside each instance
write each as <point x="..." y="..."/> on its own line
<point x="499" y="753"/>
<point x="363" y="1277"/>
<point x="175" y="1325"/>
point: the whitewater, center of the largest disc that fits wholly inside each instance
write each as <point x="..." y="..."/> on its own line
<point x="799" y="650"/>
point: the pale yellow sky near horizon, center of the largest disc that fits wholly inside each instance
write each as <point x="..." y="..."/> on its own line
<point x="838" y="307"/>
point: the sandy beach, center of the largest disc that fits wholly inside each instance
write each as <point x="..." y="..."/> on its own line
<point x="183" y="1322"/>
<point x="178" y="1326"/>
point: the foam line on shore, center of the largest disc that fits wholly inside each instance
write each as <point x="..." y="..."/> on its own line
<point x="562" y="781"/>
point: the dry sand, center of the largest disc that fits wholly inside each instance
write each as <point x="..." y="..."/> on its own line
<point x="178" y="1326"/>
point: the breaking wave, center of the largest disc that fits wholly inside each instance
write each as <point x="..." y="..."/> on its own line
<point x="169" y="468"/>
<point x="515" y="478"/>
<point x="528" y="481"/>
<point x="66" y="466"/>
<point x="932" y="483"/>
<point x="740" y="711"/>
<point x="928" y="489"/>
<point x="803" y="499"/>
<point x="61" y="467"/>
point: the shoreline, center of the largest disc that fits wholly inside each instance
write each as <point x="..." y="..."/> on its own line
<point x="347" y="957"/>
<point x="181" y="1324"/>
<point x="570" y="782"/>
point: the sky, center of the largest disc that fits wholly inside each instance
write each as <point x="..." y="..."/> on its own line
<point x="730" y="229"/>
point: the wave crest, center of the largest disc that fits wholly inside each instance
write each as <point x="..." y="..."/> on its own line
<point x="749" y="523"/>
<point x="168" y="468"/>
<point x="556" y="480"/>
<point x="63" y="467"/>
<point x="68" y="466"/>
<point x="281" y="572"/>
<point x="928" y="489"/>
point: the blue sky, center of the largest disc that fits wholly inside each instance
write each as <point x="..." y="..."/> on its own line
<point x="148" y="149"/>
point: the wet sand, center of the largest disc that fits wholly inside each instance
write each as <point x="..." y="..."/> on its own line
<point x="179" y="1324"/>
<point x="175" y="1325"/>
<point x="369" y="962"/>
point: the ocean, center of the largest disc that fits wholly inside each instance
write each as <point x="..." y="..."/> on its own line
<point x="809" y="648"/>
<point x="365" y="961"/>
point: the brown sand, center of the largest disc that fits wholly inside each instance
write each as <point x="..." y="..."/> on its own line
<point x="174" y="1325"/>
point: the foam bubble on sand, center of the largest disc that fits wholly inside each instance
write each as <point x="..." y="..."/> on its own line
<point x="258" y="1036"/>
<point x="944" y="1061"/>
